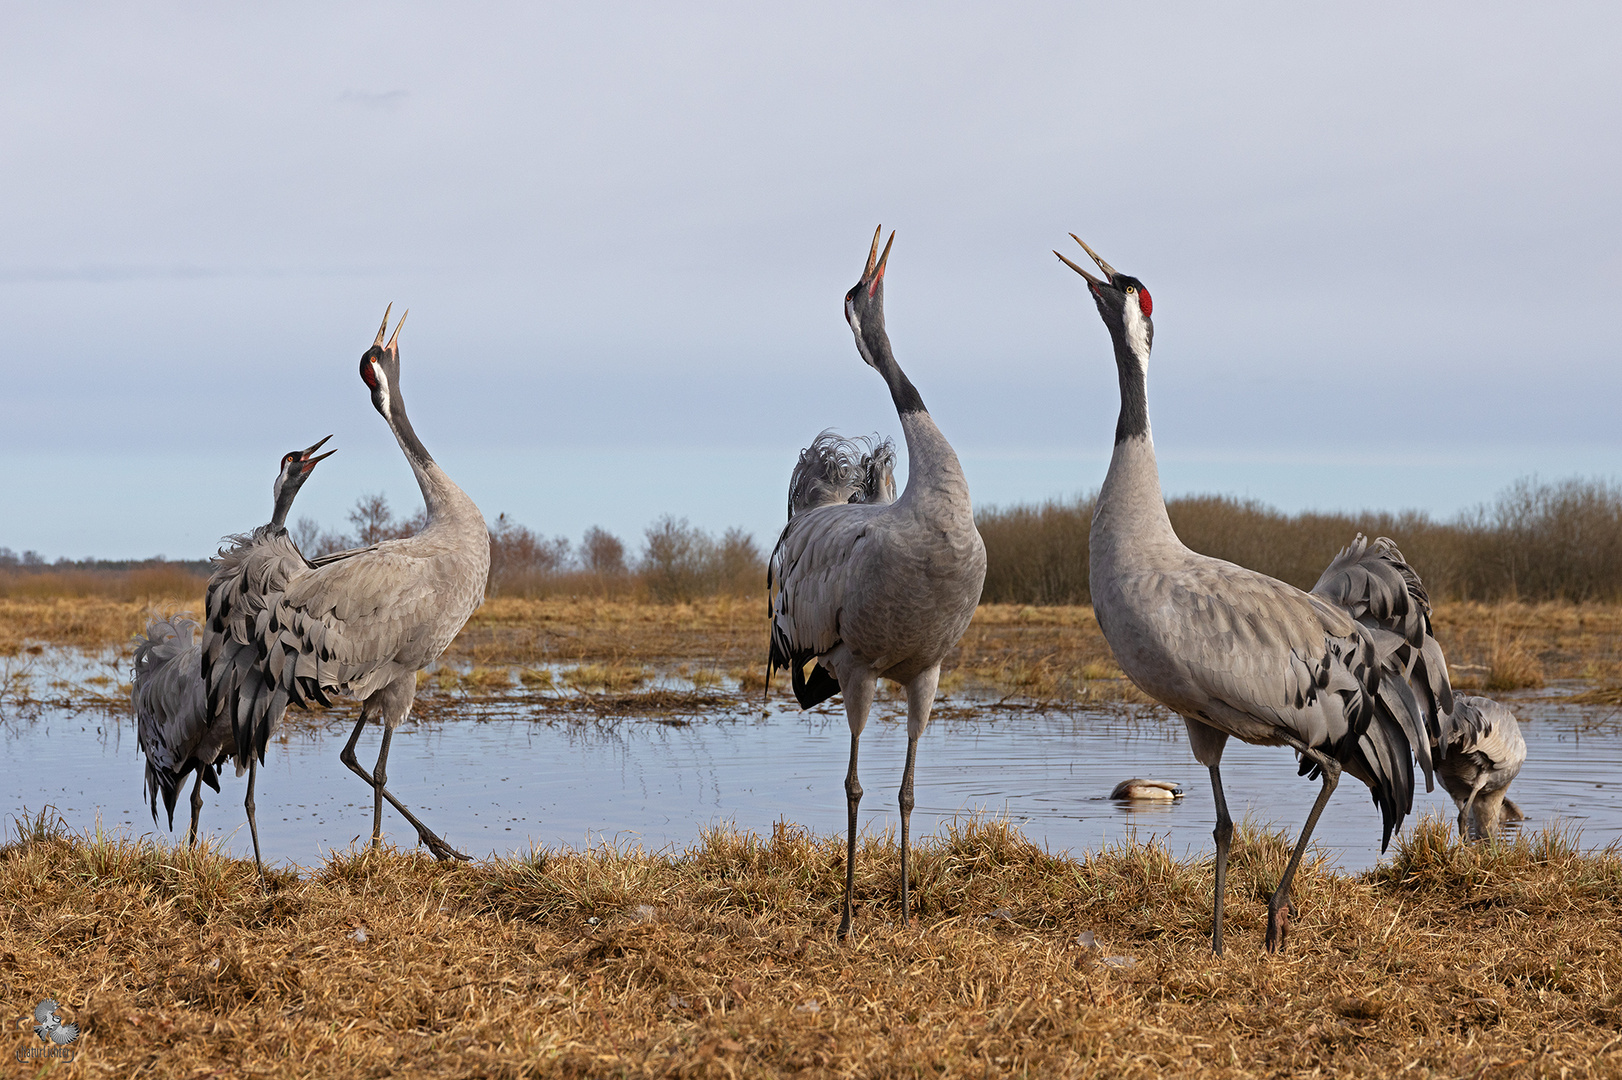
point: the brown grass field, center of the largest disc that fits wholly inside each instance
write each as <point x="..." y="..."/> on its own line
<point x="721" y="961"/>
<point x="1447" y="960"/>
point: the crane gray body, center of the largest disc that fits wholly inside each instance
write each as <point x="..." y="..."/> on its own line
<point x="1331" y="673"/>
<point x="359" y="623"/>
<point x="875" y="589"/>
<point x="171" y="716"/>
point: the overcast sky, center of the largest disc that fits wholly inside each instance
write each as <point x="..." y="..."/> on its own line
<point x="1383" y="243"/>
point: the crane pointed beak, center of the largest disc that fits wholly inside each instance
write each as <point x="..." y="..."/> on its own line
<point x="1080" y="271"/>
<point x="310" y="450"/>
<point x="878" y="271"/>
<point x="396" y="336"/>
<point x="381" y="330"/>
<point x="309" y="463"/>
<point x="873" y="253"/>
<point x="1109" y="271"/>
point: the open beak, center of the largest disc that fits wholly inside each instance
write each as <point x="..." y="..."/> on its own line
<point x="1109" y="271"/>
<point x="874" y="273"/>
<point x="396" y="335"/>
<point x="377" y="342"/>
<point x="309" y="462"/>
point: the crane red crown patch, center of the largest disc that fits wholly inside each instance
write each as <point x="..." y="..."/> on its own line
<point x="1145" y="305"/>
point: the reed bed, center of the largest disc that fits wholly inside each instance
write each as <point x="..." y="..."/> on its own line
<point x="720" y="960"/>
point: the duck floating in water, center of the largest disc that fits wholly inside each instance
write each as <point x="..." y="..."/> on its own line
<point x="1146" y="789"/>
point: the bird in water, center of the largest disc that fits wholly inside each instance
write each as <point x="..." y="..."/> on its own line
<point x="1147" y="790"/>
<point x="865" y="585"/>
<point x="1239" y="654"/>
<point x="1484" y="755"/>
<point x="167" y="693"/>
<point x="360" y="622"/>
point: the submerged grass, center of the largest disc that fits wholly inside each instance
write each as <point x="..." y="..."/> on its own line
<point x="720" y="960"/>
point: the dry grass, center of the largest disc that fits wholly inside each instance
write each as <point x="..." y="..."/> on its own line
<point x="721" y="961"/>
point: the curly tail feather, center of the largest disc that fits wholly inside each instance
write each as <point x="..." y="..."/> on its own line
<point x="834" y="469"/>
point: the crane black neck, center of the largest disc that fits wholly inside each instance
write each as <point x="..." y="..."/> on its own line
<point x="902" y="392"/>
<point x="1133" y="422"/>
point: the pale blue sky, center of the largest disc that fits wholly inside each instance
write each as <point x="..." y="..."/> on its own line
<point x="1383" y="243"/>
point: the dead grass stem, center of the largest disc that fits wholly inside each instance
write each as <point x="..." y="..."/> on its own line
<point x="1491" y="959"/>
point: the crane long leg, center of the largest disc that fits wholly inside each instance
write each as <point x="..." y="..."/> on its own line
<point x="380" y="778"/>
<point x="1223" y="834"/>
<point x="920" y="698"/>
<point x="906" y="821"/>
<point x="196" y="809"/>
<point x="858" y="690"/>
<point x="853" y="799"/>
<point x="1278" y="913"/>
<point x="436" y="846"/>
<point x="253" y="825"/>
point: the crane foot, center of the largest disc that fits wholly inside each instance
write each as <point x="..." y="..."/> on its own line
<point x="439" y="849"/>
<point x="1278" y="923"/>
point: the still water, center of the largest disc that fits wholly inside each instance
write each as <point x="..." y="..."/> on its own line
<point x="507" y="781"/>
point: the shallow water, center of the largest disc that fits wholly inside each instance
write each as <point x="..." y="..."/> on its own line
<point x="515" y="776"/>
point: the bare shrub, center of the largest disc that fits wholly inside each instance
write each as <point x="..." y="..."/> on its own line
<point x="602" y="553"/>
<point x="523" y="563"/>
<point x="680" y="562"/>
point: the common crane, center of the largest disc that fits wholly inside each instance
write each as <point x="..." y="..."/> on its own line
<point x="1484" y="755"/>
<point x="874" y="589"/>
<point x="361" y="622"/>
<point x="1237" y="653"/>
<point x="171" y="706"/>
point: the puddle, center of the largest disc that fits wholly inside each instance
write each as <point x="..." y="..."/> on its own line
<point x="519" y="776"/>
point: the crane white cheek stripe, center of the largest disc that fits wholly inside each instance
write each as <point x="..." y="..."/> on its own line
<point x="1137" y="332"/>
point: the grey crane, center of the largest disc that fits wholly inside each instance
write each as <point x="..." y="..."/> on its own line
<point x="167" y="693"/>
<point x="874" y="588"/>
<point x="360" y="622"/>
<point x="1237" y="653"/>
<point x="1484" y="754"/>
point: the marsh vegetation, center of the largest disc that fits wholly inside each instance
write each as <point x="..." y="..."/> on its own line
<point x="720" y="960"/>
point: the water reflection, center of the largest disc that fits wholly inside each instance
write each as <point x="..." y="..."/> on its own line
<point x="500" y="785"/>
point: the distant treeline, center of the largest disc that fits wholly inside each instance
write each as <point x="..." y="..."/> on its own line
<point x="677" y="562"/>
<point x="1537" y="541"/>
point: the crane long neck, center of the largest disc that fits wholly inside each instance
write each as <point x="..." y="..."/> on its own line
<point x="902" y="392"/>
<point x="438" y="491"/>
<point x="933" y="469"/>
<point x="1131" y="505"/>
<point x="285" y="492"/>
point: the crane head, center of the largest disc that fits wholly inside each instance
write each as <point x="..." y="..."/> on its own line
<point x="1123" y="303"/>
<point x="864" y="303"/>
<point x="297" y="465"/>
<point x="380" y="367"/>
